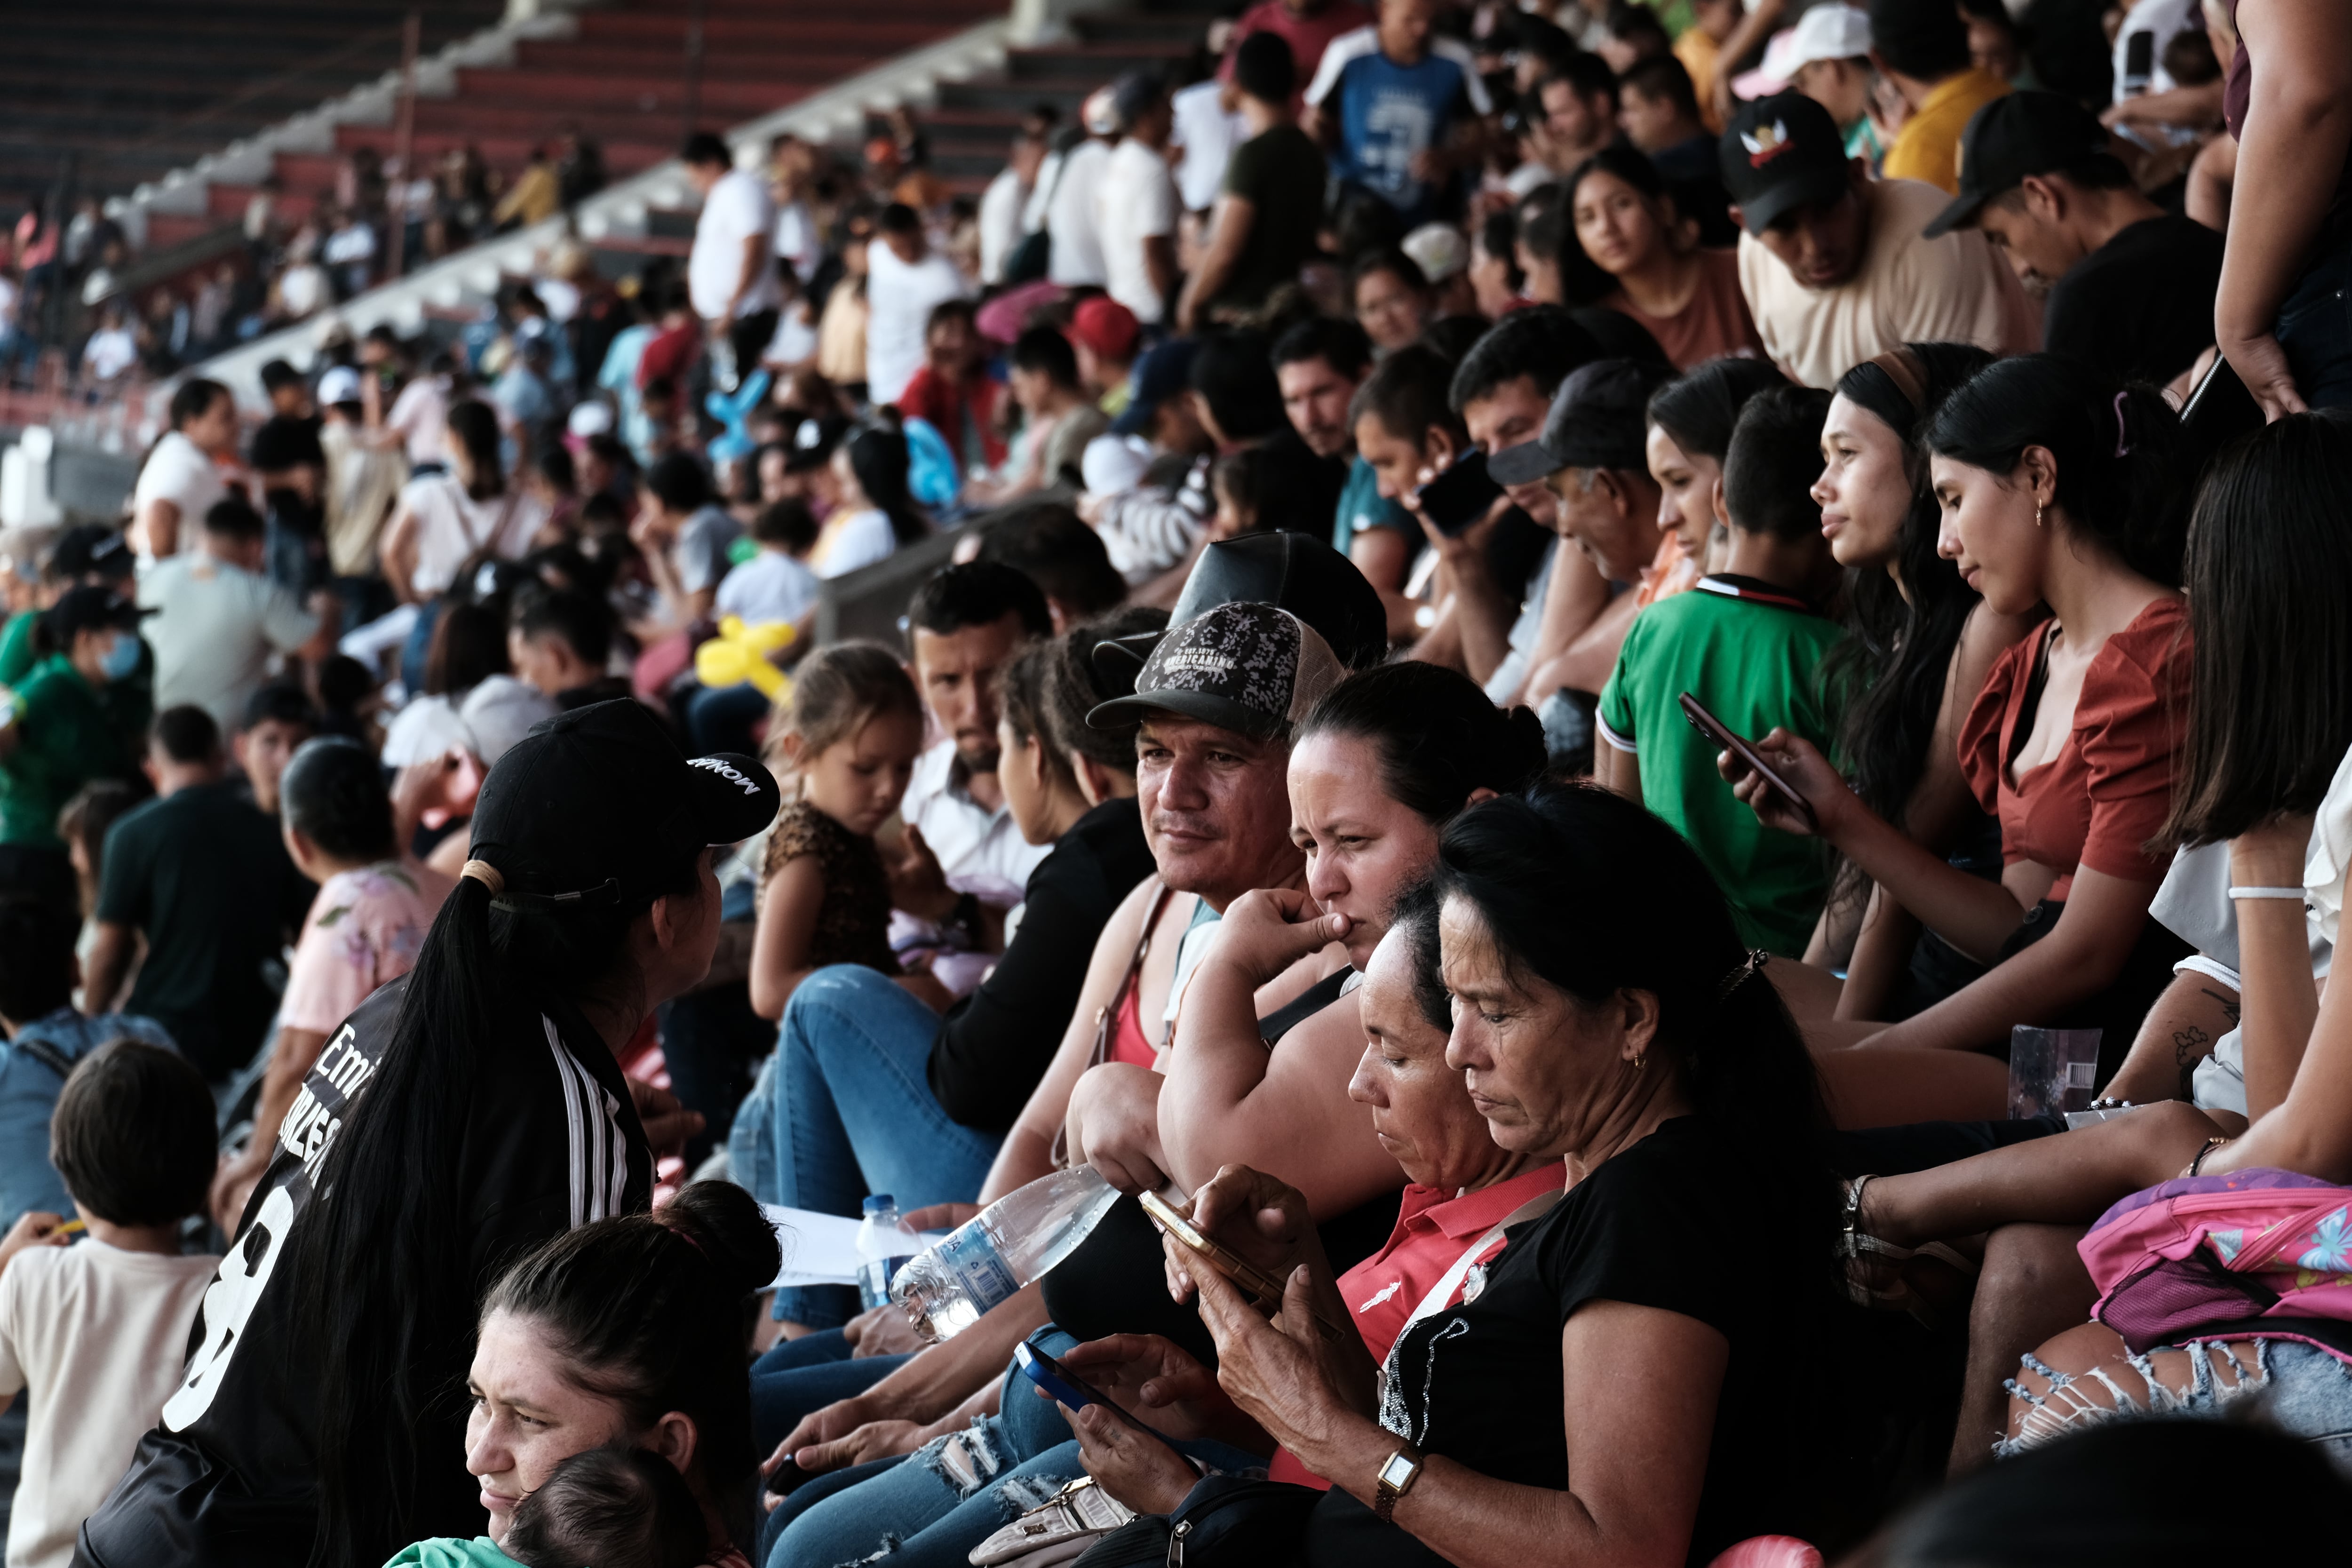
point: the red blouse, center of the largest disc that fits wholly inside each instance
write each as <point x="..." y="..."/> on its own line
<point x="2109" y="790"/>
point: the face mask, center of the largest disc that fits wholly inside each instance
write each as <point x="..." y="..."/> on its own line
<point x="121" y="658"/>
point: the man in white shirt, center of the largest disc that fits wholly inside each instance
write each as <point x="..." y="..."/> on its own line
<point x="1204" y="131"/>
<point x="217" y="620"/>
<point x="1832" y="263"/>
<point x="905" y="279"/>
<point x="1135" y="213"/>
<point x="1071" y="202"/>
<point x="791" y="164"/>
<point x="1004" y="206"/>
<point x="731" y="273"/>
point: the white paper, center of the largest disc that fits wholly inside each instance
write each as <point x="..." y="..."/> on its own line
<point x="819" y="1248"/>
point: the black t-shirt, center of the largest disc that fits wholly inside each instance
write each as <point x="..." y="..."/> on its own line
<point x="1481" y="1383"/>
<point x="1281" y="175"/>
<point x="551" y="1141"/>
<point x="2141" y="306"/>
<point x="995" y="1044"/>
<point x="204" y="875"/>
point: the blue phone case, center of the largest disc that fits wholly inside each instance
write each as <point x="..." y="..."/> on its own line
<point x="1049" y="1376"/>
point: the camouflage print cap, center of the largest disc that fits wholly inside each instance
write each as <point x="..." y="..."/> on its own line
<point x="1251" y="669"/>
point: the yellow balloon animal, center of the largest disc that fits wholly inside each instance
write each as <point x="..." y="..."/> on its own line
<point x="740" y="653"/>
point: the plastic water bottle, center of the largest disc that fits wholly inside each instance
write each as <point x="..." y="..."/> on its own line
<point x="884" y="1245"/>
<point x="992" y="1255"/>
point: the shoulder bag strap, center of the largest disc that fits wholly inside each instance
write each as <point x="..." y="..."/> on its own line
<point x="1443" y="1291"/>
<point x="1107" y="1016"/>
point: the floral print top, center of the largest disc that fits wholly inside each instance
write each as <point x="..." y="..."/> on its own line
<point x="364" y="929"/>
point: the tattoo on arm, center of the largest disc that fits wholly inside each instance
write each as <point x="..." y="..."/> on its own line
<point x="2189" y="1046"/>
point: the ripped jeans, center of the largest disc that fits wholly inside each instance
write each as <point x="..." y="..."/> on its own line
<point x="932" y="1508"/>
<point x="2305" y="1392"/>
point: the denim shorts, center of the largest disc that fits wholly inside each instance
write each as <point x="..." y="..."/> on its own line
<point x="2302" y="1391"/>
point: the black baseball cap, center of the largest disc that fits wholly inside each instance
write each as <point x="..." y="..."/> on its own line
<point x="90" y="549"/>
<point x="1599" y="419"/>
<point x="1294" y="572"/>
<point x="1250" y="669"/>
<point x="598" y="803"/>
<point x="1779" y="153"/>
<point x="2015" y="135"/>
<point x="1164" y="372"/>
<point x="92" y="608"/>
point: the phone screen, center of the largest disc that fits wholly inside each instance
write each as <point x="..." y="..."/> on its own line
<point x="1457" y="499"/>
<point x="1720" y="734"/>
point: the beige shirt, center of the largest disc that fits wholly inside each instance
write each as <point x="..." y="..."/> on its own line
<point x="362" y="481"/>
<point x="98" y="1336"/>
<point x="1908" y="290"/>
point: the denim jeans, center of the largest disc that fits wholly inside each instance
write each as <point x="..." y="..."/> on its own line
<point x="843" y="1109"/>
<point x="955" y="1491"/>
<point x="2306" y="1393"/>
<point x="2314" y="330"/>
<point x="800" y="1376"/>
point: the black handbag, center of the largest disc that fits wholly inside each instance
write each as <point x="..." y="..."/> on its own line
<point x="1224" y="1521"/>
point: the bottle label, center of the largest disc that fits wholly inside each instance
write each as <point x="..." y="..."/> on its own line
<point x="874" y="1278"/>
<point x="971" y="1258"/>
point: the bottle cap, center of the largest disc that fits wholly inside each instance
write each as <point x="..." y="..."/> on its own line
<point x="880" y="1202"/>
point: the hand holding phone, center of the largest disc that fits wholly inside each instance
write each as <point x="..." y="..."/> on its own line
<point x="1720" y="734"/>
<point x="1459" y="499"/>
<point x="1263" y="1288"/>
<point x="1067" y="1386"/>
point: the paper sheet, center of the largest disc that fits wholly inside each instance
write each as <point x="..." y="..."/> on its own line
<point x="819" y="1248"/>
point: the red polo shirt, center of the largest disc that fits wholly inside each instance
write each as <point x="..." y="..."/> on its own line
<point x="1433" y="1231"/>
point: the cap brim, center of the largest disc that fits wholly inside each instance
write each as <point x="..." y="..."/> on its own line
<point x="1958" y="212"/>
<point x="1524" y="464"/>
<point x="1766" y="208"/>
<point x="1119" y="660"/>
<point x="733" y="796"/>
<point x="1136" y="420"/>
<point x="1210" y="709"/>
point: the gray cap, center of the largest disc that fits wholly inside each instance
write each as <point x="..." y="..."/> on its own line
<point x="1598" y="420"/>
<point x="1251" y="669"/>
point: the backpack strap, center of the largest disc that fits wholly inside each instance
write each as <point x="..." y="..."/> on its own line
<point x="48" y="1055"/>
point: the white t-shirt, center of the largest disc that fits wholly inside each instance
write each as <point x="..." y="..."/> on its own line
<point x="302" y="290"/>
<point x="421" y="415"/>
<point x="738" y="207"/>
<point x="97" y="1336"/>
<point x="1078" y="256"/>
<point x="899" y="297"/>
<point x="452" y="526"/>
<point x="1135" y="201"/>
<point x="860" y="539"/>
<point x="177" y="472"/>
<point x="771" y="586"/>
<point x="109" y="353"/>
<point x="797" y="240"/>
<point x="215" y="627"/>
<point x="8" y="297"/>
<point x="1954" y="290"/>
<point x="1207" y="133"/>
<point x="1001" y="229"/>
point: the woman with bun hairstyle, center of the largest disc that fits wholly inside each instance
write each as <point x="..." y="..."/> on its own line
<point x="460" y="1117"/>
<point x="632" y="1331"/>
<point x="2057" y="487"/>
<point x="1923" y="643"/>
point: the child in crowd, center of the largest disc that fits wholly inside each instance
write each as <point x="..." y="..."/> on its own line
<point x="1238" y="482"/>
<point x="612" y="1508"/>
<point x="96" y="1332"/>
<point x="847" y="743"/>
<point x="39" y="974"/>
<point x="776" y="584"/>
<point x="1746" y="643"/>
<point x="559" y="640"/>
<point x="364" y="929"/>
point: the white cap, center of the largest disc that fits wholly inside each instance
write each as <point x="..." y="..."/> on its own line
<point x="1114" y="463"/>
<point x="1439" y="250"/>
<point x="340" y="384"/>
<point x="1827" y="33"/>
<point x="589" y="418"/>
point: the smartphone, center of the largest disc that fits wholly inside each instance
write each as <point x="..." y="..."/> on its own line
<point x="1263" y="1288"/>
<point x="1056" y="1379"/>
<point x="1720" y="734"/>
<point x="787" y="1478"/>
<point x="2219" y="410"/>
<point x="1461" y="496"/>
<point x="2139" y="62"/>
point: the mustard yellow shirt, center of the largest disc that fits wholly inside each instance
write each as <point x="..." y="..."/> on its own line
<point x="1928" y="146"/>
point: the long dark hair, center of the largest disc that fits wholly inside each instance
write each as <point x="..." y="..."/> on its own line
<point x="1698" y="407"/>
<point x="2121" y="479"/>
<point x="384" y="1273"/>
<point x="2269" y="568"/>
<point x="648" y="1311"/>
<point x="1895" y="664"/>
<point x="879" y="457"/>
<point x="477" y="430"/>
<point x="1437" y="736"/>
<point x="1745" y="1065"/>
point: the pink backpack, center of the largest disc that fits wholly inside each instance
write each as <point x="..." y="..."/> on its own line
<point x="2201" y="1251"/>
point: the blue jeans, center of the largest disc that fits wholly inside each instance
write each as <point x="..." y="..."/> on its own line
<point x="844" y="1108"/>
<point x="2314" y="330"/>
<point x="800" y="1376"/>
<point x="955" y="1491"/>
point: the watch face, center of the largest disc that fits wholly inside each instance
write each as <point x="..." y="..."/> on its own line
<point x="1399" y="1469"/>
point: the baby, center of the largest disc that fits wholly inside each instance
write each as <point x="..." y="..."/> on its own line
<point x="612" y="1508"/>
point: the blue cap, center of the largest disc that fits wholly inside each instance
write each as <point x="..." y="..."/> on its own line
<point x="880" y="1202"/>
<point x="1160" y="374"/>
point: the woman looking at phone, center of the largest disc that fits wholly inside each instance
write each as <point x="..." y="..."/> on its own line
<point x="1668" y="1076"/>
<point x="2056" y="488"/>
<point x="1923" y="643"/>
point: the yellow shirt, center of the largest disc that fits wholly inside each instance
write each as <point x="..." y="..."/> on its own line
<point x="1928" y="146"/>
<point x="1697" y="50"/>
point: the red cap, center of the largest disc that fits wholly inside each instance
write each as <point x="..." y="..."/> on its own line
<point x="1108" y="328"/>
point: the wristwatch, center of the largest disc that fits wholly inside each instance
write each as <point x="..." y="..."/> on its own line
<point x="1397" y="1473"/>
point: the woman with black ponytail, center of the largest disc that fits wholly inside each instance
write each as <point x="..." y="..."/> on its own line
<point x="1923" y="643"/>
<point x="2058" y="488"/>
<point x="460" y="1118"/>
